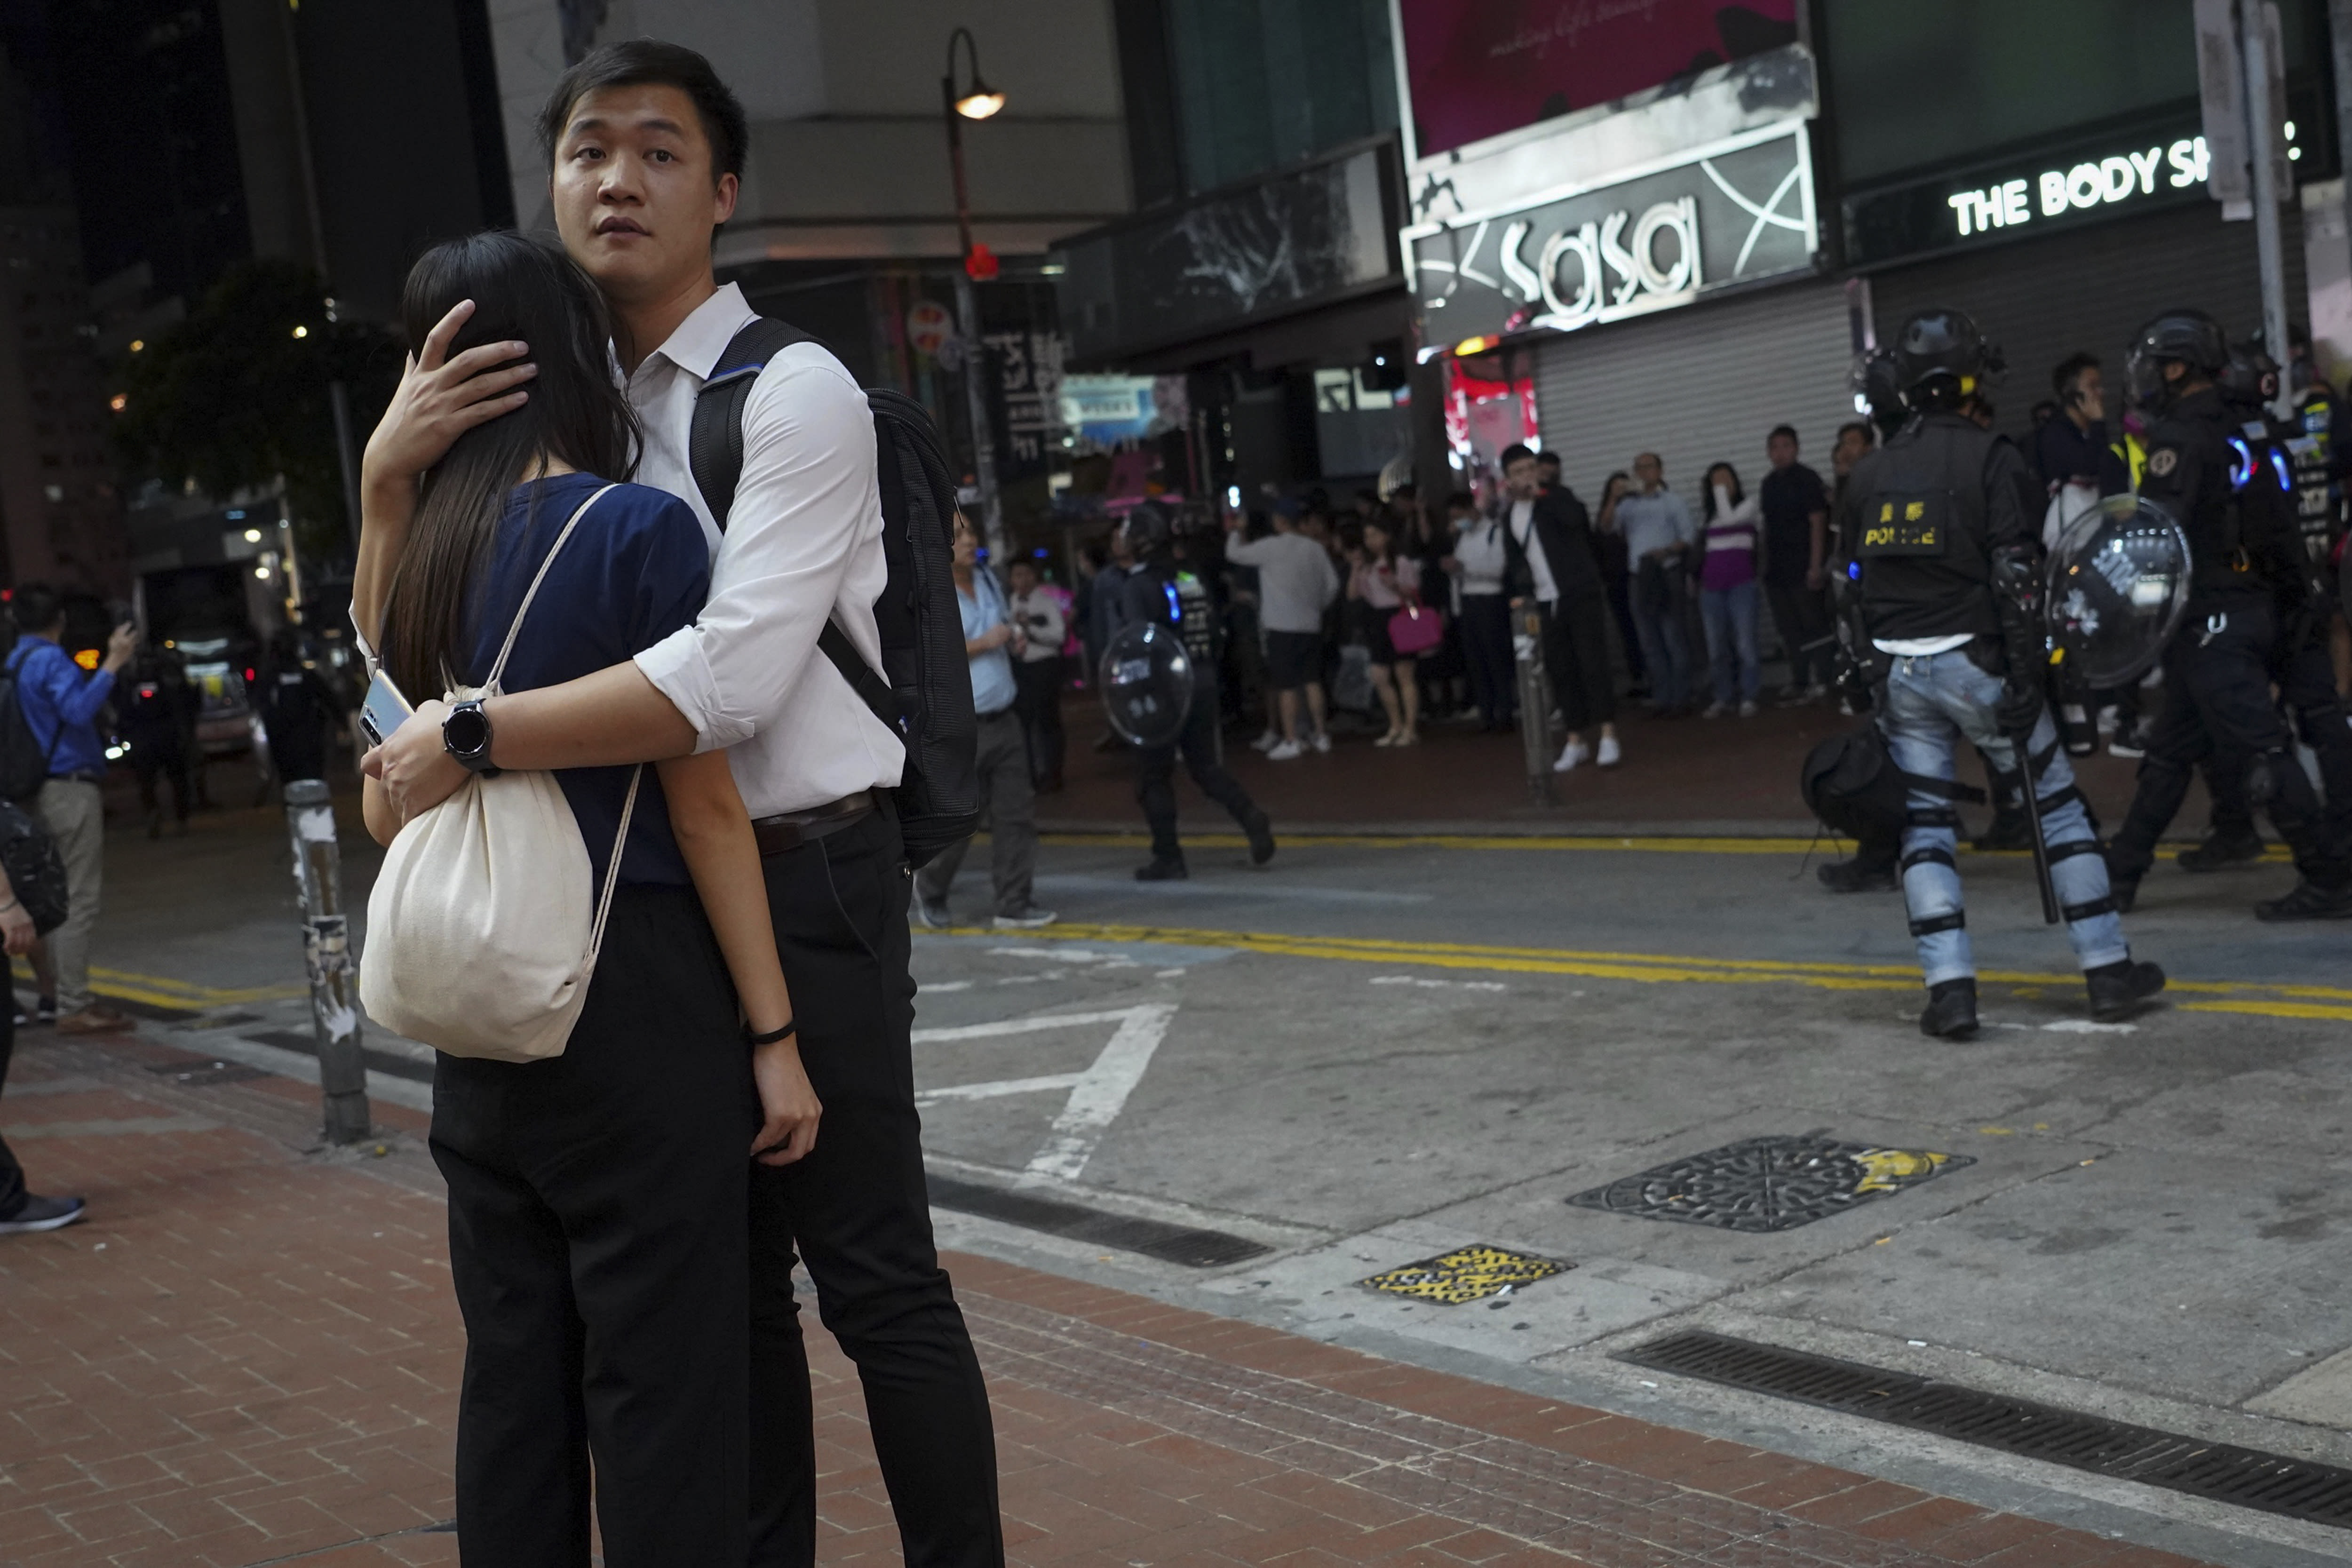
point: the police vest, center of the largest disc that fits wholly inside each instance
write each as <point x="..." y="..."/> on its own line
<point x="2308" y="447"/>
<point x="1920" y="551"/>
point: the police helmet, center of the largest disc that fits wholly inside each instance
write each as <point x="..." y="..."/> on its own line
<point x="2251" y="375"/>
<point x="1150" y="531"/>
<point x="2190" y="338"/>
<point x="1942" y="345"/>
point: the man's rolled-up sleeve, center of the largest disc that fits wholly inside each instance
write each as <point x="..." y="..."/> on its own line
<point x="805" y="504"/>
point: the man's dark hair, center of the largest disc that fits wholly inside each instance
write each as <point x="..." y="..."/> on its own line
<point x="1462" y="500"/>
<point x="1781" y="430"/>
<point x="1547" y="459"/>
<point x="1869" y="433"/>
<point x="36" y="608"/>
<point x="649" y="62"/>
<point x="2062" y="379"/>
<point x="1514" y="451"/>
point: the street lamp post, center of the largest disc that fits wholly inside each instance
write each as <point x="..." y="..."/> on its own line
<point x="976" y="102"/>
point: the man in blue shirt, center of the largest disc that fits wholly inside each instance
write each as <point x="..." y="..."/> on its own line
<point x="61" y="704"/>
<point x="991" y="640"/>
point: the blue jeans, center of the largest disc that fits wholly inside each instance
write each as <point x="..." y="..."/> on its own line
<point x="1658" y="610"/>
<point x="1932" y="704"/>
<point x="1730" y="614"/>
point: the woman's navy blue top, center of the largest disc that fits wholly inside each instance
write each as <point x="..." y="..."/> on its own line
<point x="635" y="571"/>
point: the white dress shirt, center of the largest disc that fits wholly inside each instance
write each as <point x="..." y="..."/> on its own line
<point x="1523" y="528"/>
<point x="802" y="544"/>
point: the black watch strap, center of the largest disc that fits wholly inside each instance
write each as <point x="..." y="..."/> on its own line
<point x="466" y="735"/>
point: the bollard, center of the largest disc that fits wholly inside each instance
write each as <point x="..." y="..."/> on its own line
<point x="327" y="951"/>
<point x="1535" y="697"/>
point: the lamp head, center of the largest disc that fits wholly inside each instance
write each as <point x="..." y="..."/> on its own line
<point x="980" y="102"/>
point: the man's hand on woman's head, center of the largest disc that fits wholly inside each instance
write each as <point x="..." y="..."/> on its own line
<point x="440" y="398"/>
<point x="416" y="772"/>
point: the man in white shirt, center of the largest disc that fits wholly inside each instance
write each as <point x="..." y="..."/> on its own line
<point x="1295" y="583"/>
<point x="646" y="148"/>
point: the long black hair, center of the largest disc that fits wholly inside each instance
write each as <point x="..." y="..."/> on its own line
<point x="527" y="289"/>
<point x="1737" y="493"/>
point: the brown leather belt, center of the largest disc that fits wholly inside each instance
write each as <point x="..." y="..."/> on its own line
<point x="781" y="835"/>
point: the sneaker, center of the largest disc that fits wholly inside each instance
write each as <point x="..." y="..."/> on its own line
<point x="1611" y="753"/>
<point x="1322" y="741"/>
<point x="1716" y="710"/>
<point x="1573" y="753"/>
<point x="1028" y="918"/>
<point x="1818" y="691"/>
<point x="2128" y="747"/>
<point x="1792" y="696"/>
<point x="1388" y="740"/>
<point x="44" y="1010"/>
<point x="934" y="916"/>
<point x="38" y="1213"/>
<point x="1286" y="752"/>
<point x="1747" y="708"/>
<point x="1856" y="877"/>
<point x="1951" y="1010"/>
<point x="1267" y="741"/>
<point x="2220" y="851"/>
<point x="2110" y="720"/>
<point x="1260" y="829"/>
<point x="2117" y="989"/>
<point x="94" y="1019"/>
<point x="1170" y="869"/>
<point x="2308" y="902"/>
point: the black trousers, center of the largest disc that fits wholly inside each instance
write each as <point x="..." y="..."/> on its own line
<point x="2216" y="703"/>
<point x="2306" y="681"/>
<point x="152" y="762"/>
<point x="857" y="1213"/>
<point x="596" y="1242"/>
<point x="12" y="1174"/>
<point x="1485" y="623"/>
<point x="1155" y="776"/>
<point x="1576" y="654"/>
<point x="1037" y="685"/>
<point x="1801" y="616"/>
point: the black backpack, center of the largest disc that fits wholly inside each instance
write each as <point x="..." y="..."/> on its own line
<point x="36" y="872"/>
<point x="24" y="765"/>
<point x="1851" y="784"/>
<point x="924" y="688"/>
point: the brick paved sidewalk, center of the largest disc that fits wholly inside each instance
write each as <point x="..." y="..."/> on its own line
<point x="248" y="1355"/>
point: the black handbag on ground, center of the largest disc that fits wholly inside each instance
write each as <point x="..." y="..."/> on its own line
<point x="36" y="871"/>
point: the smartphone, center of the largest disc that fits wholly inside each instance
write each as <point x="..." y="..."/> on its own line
<point x="383" y="711"/>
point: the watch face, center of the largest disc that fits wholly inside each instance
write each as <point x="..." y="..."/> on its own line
<point x="466" y="732"/>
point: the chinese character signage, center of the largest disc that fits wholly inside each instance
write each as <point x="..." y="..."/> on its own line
<point x="1025" y="371"/>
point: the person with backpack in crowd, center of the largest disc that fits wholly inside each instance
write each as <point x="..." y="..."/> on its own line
<point x="1158" y="589"/>
<point x="60" y="703"/>
<point x="645" y="149"/>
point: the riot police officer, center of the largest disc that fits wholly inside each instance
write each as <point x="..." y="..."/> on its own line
<point x="1948" y="576"/>
<point x="1158" y="588"/>
<point x="2305" y="669"/>
<point x="2217" y="669"/>
<point x="1876" y="849"/>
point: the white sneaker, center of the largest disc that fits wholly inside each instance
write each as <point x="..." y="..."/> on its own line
<point x="1322" y="741"/>
<point x="1611" y="753"/>
<point x="1573" y="753"/>
<point x="1287" y="752"/>
<point x="1748" y="710"/>
<point x="1267" y="741"/>
<point x="1716" y="710"/>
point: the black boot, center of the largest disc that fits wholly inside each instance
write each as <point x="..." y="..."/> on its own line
<point x="2221" y="851"/>
<point x="1951" y="1013"/>
<point x="1260" y="829"/>
<point x="2008" y="830"/>
<point x="1163" y="868"/>
<point x="2309" y="902"/>
<point x="1856" y="877"/>
<point x="2117" y="989"/>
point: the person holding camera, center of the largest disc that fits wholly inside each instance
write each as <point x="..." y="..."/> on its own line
<point x="992" y="641"/>
<point x="1038" y="672"/>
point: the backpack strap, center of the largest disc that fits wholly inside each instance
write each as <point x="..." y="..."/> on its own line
<point x="714" y="453"/>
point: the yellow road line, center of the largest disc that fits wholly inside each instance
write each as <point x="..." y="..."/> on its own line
<point x="2275" y="854"/>
<point x="1659" y="967"/>
<point x="163" y="991"/>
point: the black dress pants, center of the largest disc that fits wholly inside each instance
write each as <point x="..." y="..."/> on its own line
<point x="596" y="1241"/>
<point x="859" y="1213"/>
<point x="2216" y="703"/>
<point x="1576" y="655"/>
<point x="2308" y="684"/>
<point x="1038" y="685"/>
<point x="1155" y="775"/>
<point x="12" y="1174"/>
<point x="1485" y="625"/>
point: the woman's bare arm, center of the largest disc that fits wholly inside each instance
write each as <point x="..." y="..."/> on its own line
<point x="714" y="833"/>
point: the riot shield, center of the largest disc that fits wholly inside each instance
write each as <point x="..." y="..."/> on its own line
<point x="1146" y="683"/>
<point x="2118" y="585"/>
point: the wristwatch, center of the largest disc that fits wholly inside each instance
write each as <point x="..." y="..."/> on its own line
<point x="466" y="735"/>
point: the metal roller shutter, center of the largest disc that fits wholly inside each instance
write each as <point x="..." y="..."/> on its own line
<point x="2043" y="299"/>
<point x="1699" y="385"/>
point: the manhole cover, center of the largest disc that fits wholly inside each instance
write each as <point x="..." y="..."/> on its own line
<point x="1771" y="1184"/>
<point x="1466" y="1274"/>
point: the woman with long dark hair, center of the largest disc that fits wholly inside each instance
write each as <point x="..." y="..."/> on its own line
<point x="1727" y="591"/>
<point x="597" y="1199"/>
<point x="1617" y="577"/>
<point x="1381" y="581"/>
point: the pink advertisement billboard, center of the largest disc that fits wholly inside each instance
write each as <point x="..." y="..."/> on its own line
<point x="1479" y="68"/>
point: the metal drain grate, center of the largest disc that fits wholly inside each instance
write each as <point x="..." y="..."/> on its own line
<point x="1153" y="1238"/>
<point x="2300" y="1489"/>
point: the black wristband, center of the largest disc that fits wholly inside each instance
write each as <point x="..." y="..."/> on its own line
<point x="770" y="1038"/>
